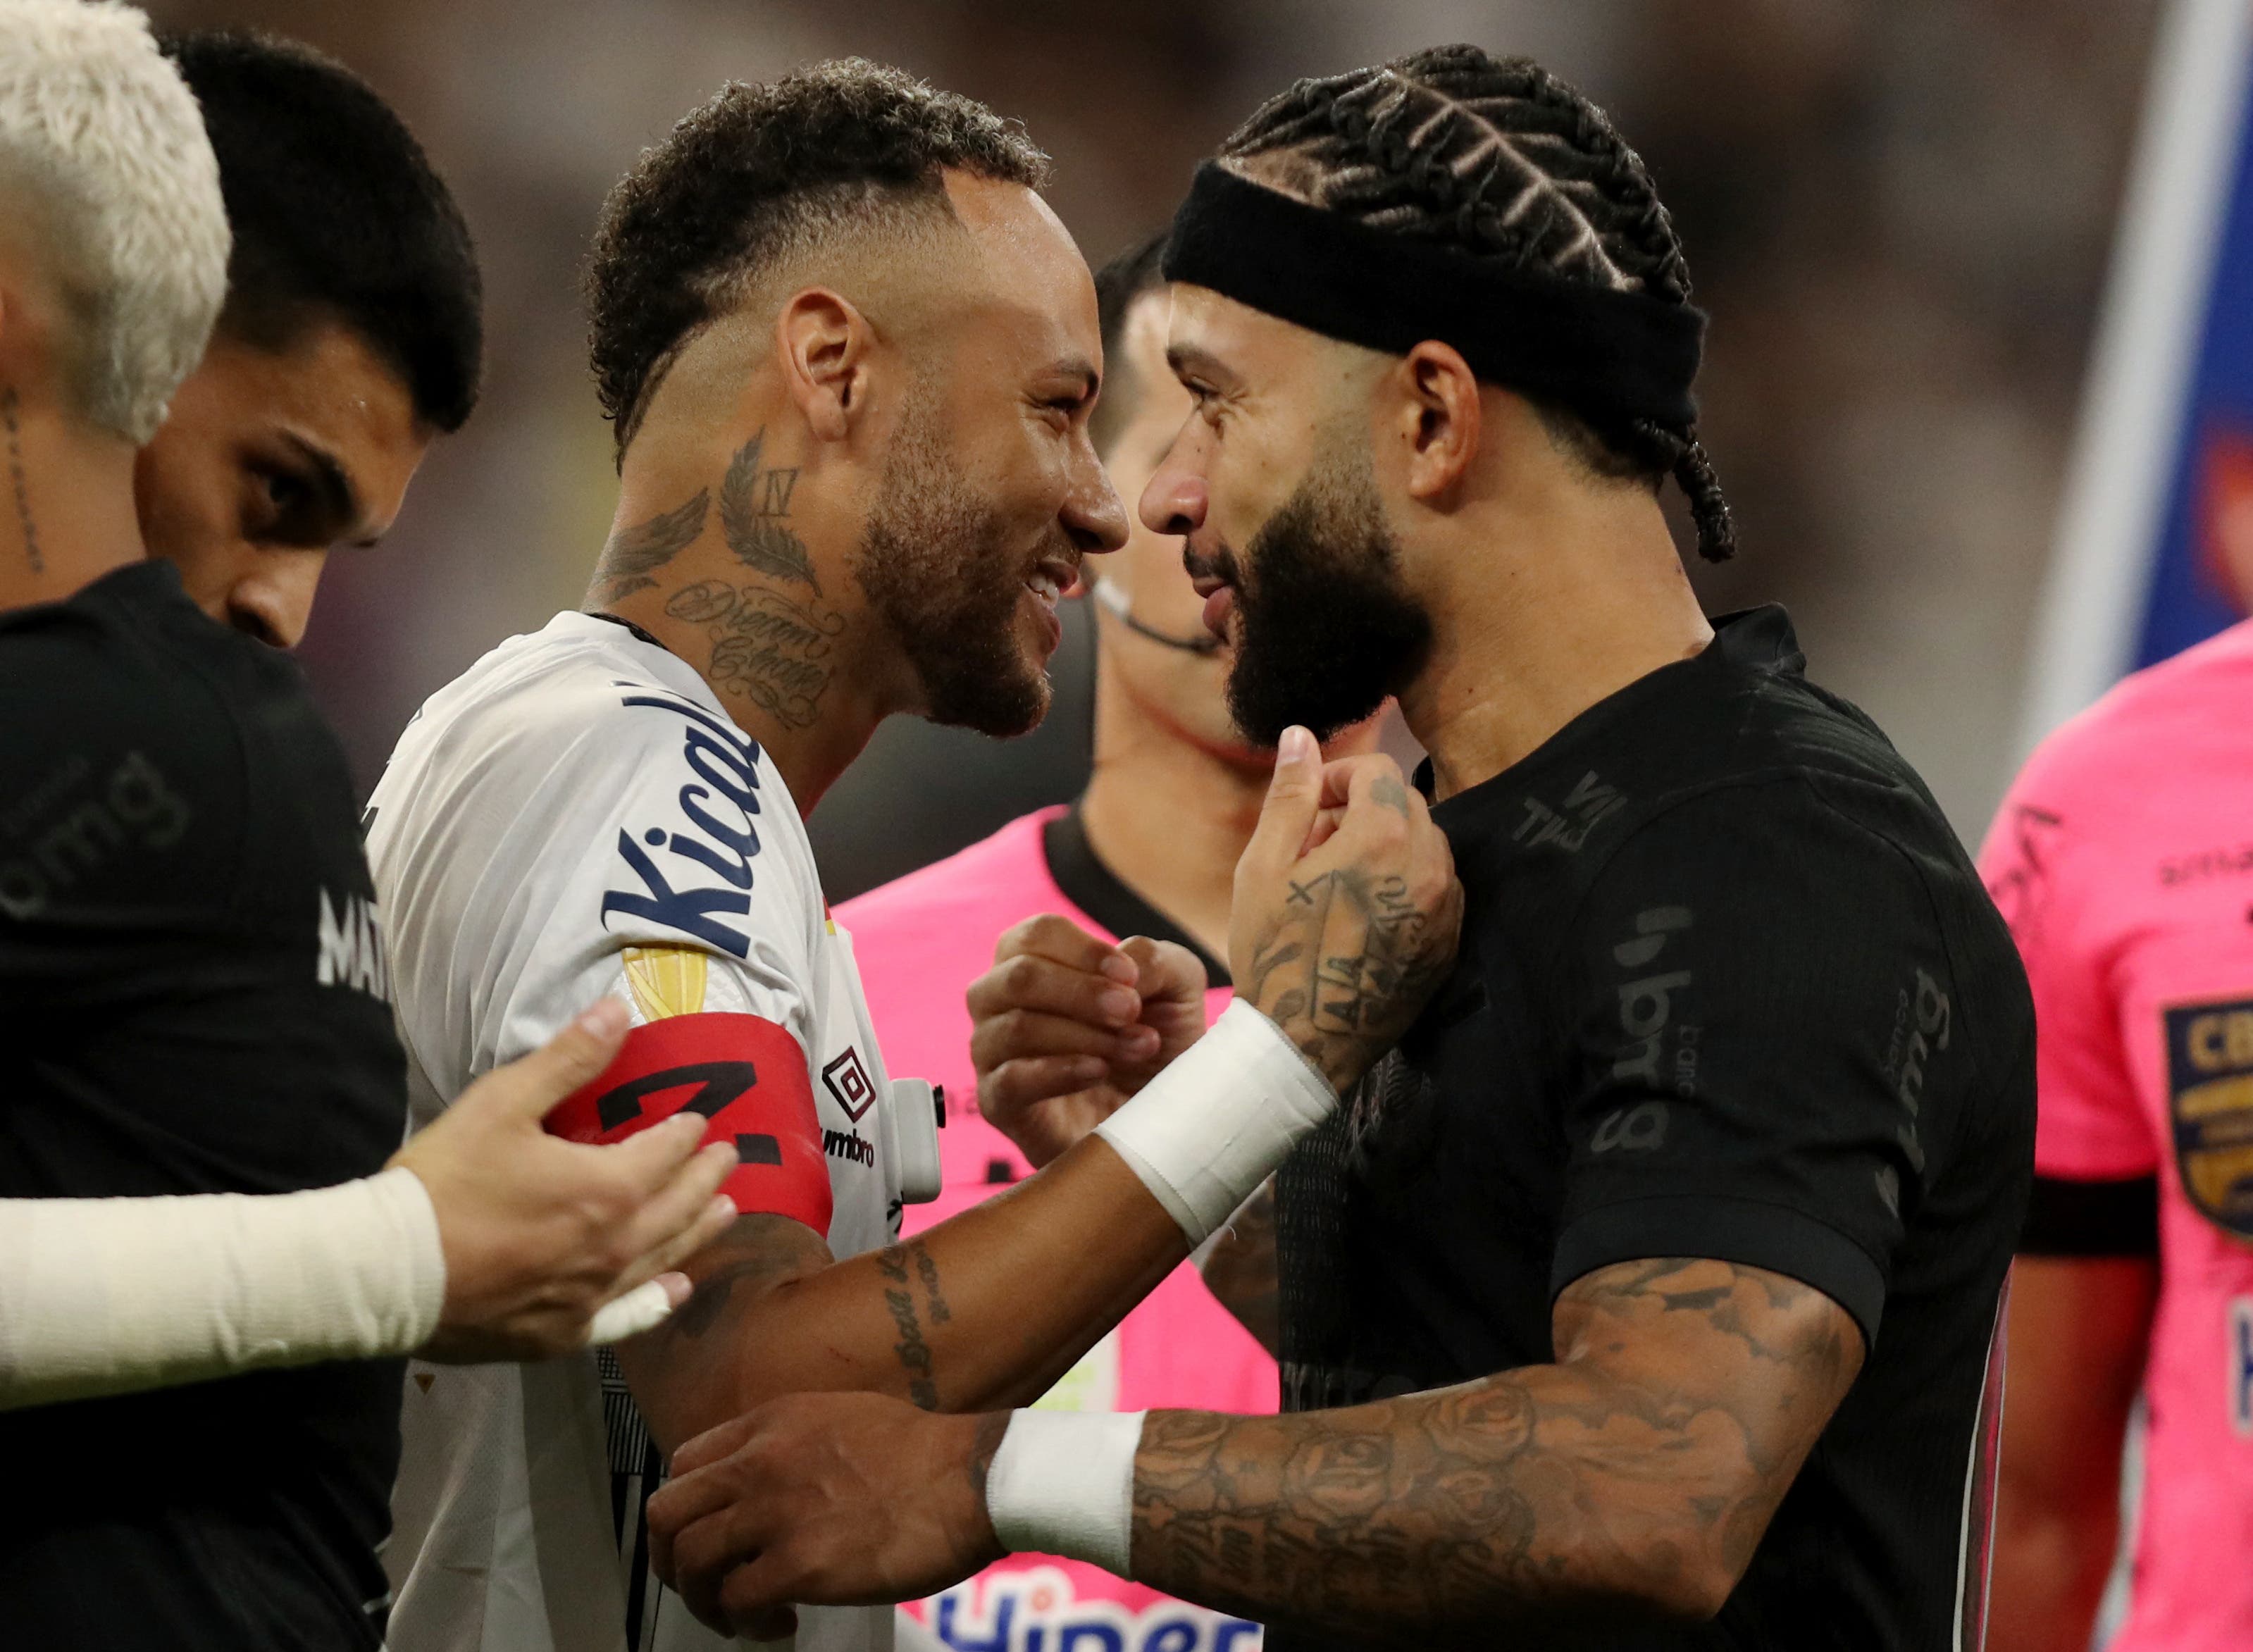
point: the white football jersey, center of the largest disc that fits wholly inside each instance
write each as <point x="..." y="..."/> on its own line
<point x="576" y="815"/>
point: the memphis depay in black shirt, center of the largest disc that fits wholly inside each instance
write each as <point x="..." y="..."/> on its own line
<point x="1729" y="989"/>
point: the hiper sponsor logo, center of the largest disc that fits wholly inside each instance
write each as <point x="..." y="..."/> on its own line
<point x="675" y="886"/>
<point x="1037" y="1610"/>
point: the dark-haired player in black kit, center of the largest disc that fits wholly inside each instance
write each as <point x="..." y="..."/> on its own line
<point x="349" y="341"/>
<point x="1647" y="1296"/>
<point x="193" y="988"/>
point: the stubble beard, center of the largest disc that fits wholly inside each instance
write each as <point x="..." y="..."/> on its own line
<point x="933" y="565"/>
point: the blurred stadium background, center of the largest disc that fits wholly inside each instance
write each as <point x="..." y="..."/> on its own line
<point x="1898" y="213"/>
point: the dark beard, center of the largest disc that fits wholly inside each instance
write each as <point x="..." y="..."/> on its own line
<point x="1323" y="631"/>
<point x="930" y="563"/>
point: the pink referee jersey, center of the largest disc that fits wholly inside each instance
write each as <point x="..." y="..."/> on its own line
<point x="920" y="941"/>
<point x="2122" y="859"/>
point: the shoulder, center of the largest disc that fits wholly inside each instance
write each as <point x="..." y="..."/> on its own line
<point x="628" y="799"/>
<point x="122" y="762"/>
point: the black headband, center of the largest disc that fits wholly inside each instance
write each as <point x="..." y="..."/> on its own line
<point x="1613" y="357"/>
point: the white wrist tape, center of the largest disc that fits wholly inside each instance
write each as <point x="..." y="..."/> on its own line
<point x="105" y="1296"/>
<point x="1205" y="1132"/>
<point x="1062" y="1483"/>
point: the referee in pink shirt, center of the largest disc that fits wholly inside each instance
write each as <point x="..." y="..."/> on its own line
<point x="2122" y="858"/>
<point x="1150" y="850"/>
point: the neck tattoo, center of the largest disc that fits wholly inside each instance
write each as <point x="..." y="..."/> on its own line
<point x="10" y="407"/>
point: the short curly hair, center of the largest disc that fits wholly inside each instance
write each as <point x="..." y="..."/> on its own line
<point x="759" y="174"/>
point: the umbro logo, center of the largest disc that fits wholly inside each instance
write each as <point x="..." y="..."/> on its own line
<point x="847" y="1080"/>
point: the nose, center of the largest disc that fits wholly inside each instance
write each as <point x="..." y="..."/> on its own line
<point x="273" y="601"/>
<point x="1093" y="514"/>
<point x="1173" y="503"/>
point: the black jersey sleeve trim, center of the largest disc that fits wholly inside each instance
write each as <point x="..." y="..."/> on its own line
<point x="2119" y="1217"/>
<point x="1747" y="1231"/>
<point x="1100" y="893"/>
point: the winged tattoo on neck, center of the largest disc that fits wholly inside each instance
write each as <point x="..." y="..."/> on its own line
<point x="634" y="554"/>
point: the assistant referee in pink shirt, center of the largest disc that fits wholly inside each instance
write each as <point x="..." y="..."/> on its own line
<point x="2122" y="858"/>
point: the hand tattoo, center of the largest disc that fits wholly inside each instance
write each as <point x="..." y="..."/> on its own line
<point x="635" y="553"/>
<point x="899" y="1298"/>
<point x="1391" y="794"/>
<point x="11" y="412"/>
<point x="754" y="506"/>
<point x="1346" y="966"/>
<point x="1641" y="1470"/>
<point x="778" y="653"/>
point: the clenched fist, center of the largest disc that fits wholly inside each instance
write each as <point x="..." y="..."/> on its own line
<point x="1346" y="910"/>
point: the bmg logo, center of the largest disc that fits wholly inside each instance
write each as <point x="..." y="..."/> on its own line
<point x="1646" y="1013"/>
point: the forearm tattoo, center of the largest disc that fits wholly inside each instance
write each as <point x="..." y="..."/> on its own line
<point x="905" y="1267"/>
<point x="1346" y="966"/>
<point x="633" y="555"/>
<point x="12" y="418"/>
<point x="1637" y="1475"/>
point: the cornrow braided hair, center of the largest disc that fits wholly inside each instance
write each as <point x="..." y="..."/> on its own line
<point x="1500" y="157"/>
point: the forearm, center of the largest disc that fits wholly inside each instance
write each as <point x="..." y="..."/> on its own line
<point x="983" y="1311"/>
<point x="111" y="1296"/>
<point x="2051" y="1565"/>
<point x="1240" y="1269"/>
<point x="1538" y="1489"/>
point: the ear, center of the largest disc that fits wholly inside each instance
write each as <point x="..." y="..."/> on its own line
<point x="823" y="343"/>
<point x="1439" y="421"/>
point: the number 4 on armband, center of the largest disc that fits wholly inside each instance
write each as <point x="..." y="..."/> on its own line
<point x="719" y="1084"/>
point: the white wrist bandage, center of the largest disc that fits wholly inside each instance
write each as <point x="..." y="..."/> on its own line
<point x="1205" y="1132"/>
<point x="1062" y="1483"/>
<point x="105" y="1296"/>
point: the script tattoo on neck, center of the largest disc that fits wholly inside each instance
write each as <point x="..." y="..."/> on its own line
<point x="634" y="554"/>
<point x="10" y="416"/>
<point x="1346" y="966"/>
<point x="755" y="515"/>
<point x="777" y="653"/>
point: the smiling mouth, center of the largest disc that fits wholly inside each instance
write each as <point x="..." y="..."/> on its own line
<point x="1051" y="580"/>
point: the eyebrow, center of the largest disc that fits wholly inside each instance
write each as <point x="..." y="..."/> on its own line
<point x="1185" y="360"/>
<point x="338" y="497"/>
<point x="1081" y="368"/>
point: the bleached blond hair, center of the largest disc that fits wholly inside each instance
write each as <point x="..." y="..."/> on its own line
<point x="106" y="166"/>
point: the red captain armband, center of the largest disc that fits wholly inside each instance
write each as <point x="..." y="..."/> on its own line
<point x="747" y="1077"/>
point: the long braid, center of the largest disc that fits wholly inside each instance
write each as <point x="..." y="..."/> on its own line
<point x="1499" y="157"/>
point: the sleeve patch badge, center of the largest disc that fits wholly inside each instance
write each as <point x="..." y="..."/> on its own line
<point x="666" y="980"/>
<point x="2211" y="1108"/>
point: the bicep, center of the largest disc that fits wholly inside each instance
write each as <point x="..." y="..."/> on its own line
<point x="682" y="1373"/>
<point x="1749" y="1364"/>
